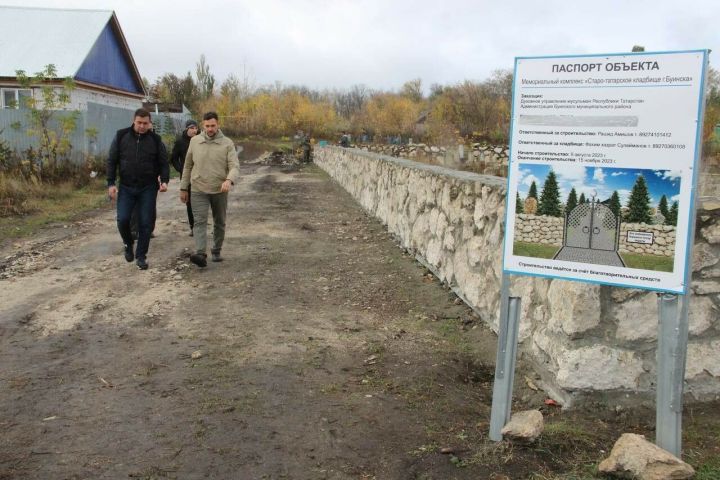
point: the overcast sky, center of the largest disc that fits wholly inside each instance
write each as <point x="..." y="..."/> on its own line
<point x="383" y="43"/>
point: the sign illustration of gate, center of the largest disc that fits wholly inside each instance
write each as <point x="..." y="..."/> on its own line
<point x="591" y="235"/>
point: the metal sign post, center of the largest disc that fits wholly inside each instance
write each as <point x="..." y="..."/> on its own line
<point x="505" y="360"/>
<point x="671" y="353"/>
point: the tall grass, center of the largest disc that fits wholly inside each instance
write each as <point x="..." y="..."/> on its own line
<point x="15" y="193"/>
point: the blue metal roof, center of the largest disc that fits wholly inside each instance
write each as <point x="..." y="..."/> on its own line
<point x="106" y="64"/>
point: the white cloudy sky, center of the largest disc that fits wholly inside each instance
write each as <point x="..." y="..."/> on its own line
<point x="383" y="43"/>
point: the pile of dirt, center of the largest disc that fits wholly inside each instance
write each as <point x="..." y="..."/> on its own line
<point x="275" y="158"/>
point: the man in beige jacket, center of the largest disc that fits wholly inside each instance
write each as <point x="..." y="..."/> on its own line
<point x="211" y="166"/>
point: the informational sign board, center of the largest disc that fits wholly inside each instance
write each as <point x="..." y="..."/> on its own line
<point x="605" y="144"/>
<point x="640" y="237"/>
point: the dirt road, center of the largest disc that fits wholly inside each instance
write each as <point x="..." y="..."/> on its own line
<point x="317" y="350"/>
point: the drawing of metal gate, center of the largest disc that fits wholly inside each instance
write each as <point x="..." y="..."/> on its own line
<point x="593" y="226"/>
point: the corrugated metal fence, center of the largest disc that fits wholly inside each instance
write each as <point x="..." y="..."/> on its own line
<point x="94" y="132"/>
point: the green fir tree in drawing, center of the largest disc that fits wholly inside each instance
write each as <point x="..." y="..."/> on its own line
<point x="533" y="191"/>
<point x="672" y="217"/>
<point x="550" y="197"/>
<point x="614" y="204"/>
<point x="663" y="207"/>
<point x="582" y="199"/>
<point x="572" y="201"/>
<point x="518" y="203"/>
<point x="639" y="203"/>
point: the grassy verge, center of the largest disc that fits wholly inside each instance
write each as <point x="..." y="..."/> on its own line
<point x="536" y="250"/>
<point x="46" y="204"/>
<point x="648" y="262"/>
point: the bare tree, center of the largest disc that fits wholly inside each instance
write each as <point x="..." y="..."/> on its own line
<point x="351" y="102"/>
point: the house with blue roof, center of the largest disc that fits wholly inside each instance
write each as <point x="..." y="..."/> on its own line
<point x="85" y="45"/>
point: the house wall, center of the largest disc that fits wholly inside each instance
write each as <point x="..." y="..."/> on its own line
<point x="80" y="98"/>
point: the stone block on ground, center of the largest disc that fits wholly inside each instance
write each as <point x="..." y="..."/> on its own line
<point x="524" y="426"/>
<point x="634" y="457"/>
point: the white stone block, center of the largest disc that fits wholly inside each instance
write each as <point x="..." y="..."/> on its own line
<point x="598" y="368"/>
<point x="706" y="287"/>
<point x="703" y="358"/>
<point x="637" y="318"/>
<point x="634" y="457"/>
<point x="703" y="313"/>
<point x="711" y="233"/>
<point x="574" y="306"/>
<point x="703" y="256"/>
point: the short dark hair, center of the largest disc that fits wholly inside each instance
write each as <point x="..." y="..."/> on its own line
<point x="210" y="116"/>
<point x="142" y="113"/>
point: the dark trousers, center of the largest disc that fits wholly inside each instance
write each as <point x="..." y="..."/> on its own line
<point x="145" y="199"/>
<point x="191" y="219"/>
<point x="134" y="221"/>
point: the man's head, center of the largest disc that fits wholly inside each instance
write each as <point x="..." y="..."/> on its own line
<point x="191" y="128"/>
<point x="210" y="124"/>
<point x="141" y="121"/>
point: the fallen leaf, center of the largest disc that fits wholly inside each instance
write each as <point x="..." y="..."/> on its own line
<point x="531" y="384"/>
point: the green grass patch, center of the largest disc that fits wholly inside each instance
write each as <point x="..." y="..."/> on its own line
<point x="567" y="434"/>
<point x="648" y="262"/>
<point x="536" y="250"/>
<point x="710" y="470"/>
<point x="47" y="204"/>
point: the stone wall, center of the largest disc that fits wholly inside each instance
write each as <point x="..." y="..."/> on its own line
<point x="539" y="229"/>
<point x="477" y="157"/>
<point x="583" y="339"/>
<point x="663" y="239"/>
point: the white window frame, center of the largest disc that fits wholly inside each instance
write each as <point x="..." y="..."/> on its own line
<point x="17" y="91"/>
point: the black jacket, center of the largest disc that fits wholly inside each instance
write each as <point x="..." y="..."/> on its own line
<point x="142" y="158"/>
<point x="177" y="157"/>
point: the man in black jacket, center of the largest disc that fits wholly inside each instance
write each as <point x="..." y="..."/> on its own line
<point x="142" y="157"/>
<point x="177" y="159"/>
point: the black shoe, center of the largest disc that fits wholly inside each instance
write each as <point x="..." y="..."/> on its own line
<point x="216" y="257"/>
<point x="129" y="255"/>
<point x="141" y="264"/>
<point x="199" y="259"/>
<point x="191" y="231"/>
<point x="152" y="235"/>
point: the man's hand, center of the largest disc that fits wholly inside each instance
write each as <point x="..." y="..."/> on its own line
<point x="226" y="186"/>
<point x="112" y="192"/>
<point x="163" y="187"/>
<point x="183" y="196"/>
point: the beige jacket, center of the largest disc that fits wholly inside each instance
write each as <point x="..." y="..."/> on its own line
<point x="209" y="162"/>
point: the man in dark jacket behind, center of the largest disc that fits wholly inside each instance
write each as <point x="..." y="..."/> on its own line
<point x="141" y="156"/>
<point x="177" y="158"/>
